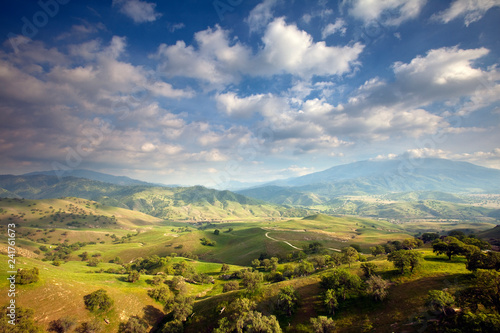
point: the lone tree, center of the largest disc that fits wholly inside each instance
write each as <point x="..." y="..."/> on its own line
<point x="252" y="280"/>
<point x="404" y="259"/>
<point x="377" y="287"/>
<point x="412" y="243"/>
<point x="133" y="276"/>
<point x="451" y="246"/>
<point x="182" y="307"/>
<point x="93" y="262"/>
<point x="323" y="324"/>
<point x="85" y="256"/>
<point x="342" y="282"/>
<point x="368" y="268"/>
<point x="415" y="259"/>
<point x="350" y="255"/>
<point x="231" y="285"/>
<point x="288" y="299"/>
<point x="439" y="301"/>
<point x="330" y="300"/>
<point x="27" y="276"/>
<point x="117" y="261"/>
<point x="376" y="250"/>
<point x="98" y="301"/>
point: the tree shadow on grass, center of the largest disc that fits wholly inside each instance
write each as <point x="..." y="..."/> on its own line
<point x="153" y="316"/>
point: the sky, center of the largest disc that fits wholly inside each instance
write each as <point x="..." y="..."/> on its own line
<point x="213" y="92"/>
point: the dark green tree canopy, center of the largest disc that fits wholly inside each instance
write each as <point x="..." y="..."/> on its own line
<point x="98" y="301"/>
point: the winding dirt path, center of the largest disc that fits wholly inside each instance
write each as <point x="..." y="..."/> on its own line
<point x="277" y="240"/>
<point x="331" y="248"/>
<point x="297" y="248"/>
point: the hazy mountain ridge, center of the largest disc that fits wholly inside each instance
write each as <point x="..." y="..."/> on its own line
<point x="92" y="175"/>
<point x="423" y="172"/>
<point x="164" y="202"/>
<point x="381" y="177"/>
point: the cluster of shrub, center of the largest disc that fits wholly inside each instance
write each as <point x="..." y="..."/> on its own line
<point x="340" y="285"/>
<point x="391" y="246"/>
<point x="27" y="276"/>
<point x="474" y="308"/>
<point x="476" y="251"/>
<point x="61" y="252"/>
<point x="207" y="242"/>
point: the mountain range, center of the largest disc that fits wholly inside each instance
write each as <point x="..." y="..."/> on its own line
<point x="379" y="177"/>
<point x="416" y="189"/>
<point x="170" y="203"/>
<point x="92" y="175"/>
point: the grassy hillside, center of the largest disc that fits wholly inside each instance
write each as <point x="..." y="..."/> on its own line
<point x="403" y="311"/>
<point x="199" y="203"/>
<point x="64" y="212"/>
<point x="383" y="208"/>
<point x="61" y="289"/>
<point x="407" y="205"/>
<point x="46" y="227"/>
<point x="176" y="203"/>
<point x="491" y="235"/>
<point x="129" y="234"/>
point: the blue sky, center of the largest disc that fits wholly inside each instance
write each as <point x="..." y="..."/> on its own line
<point x="207" y="92"/>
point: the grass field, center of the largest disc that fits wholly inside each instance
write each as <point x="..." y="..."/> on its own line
<point x="115" y="232"/>
<point x="61" y="289"/>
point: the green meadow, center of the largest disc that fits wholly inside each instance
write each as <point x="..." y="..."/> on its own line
<point x="106" y="233"/>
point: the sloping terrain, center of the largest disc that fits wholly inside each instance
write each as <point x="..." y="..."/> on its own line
<point x="173" y="203"/>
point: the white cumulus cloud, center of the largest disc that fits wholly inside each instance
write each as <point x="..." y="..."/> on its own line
<point x="138" y="11"/>
<point x="471" y="10"/>
<point x="219" y="60"/>
<point x="387" y="12"/>
<point x="261" y="15"/>
<point x="333" y="28"/>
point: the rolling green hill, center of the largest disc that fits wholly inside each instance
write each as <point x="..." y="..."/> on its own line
<point x="173" y="203"/>
<point x="491" y="235"/>
<point x="424" y="195"/>
<point x="48" y="226"/>
<point x="382" y="208"/>
<point x="70" y="220"/>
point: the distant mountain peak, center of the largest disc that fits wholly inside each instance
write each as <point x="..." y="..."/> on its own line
<point x="376" y="177"/>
